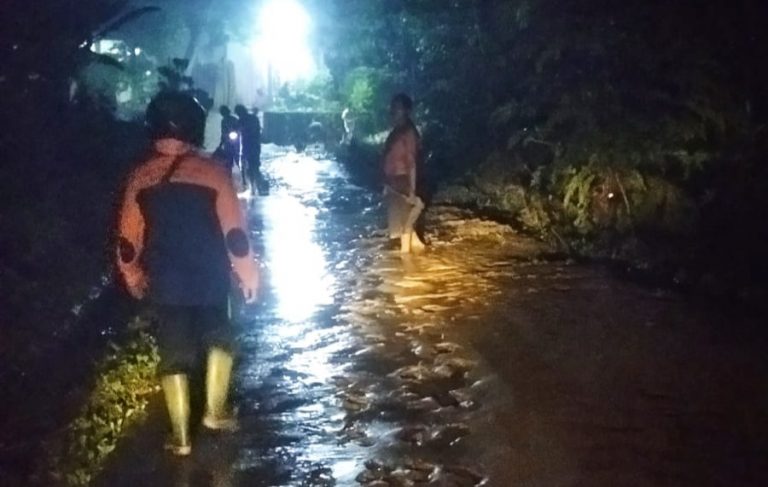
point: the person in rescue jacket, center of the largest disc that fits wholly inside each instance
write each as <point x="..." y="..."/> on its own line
<point x="181" y="233"/>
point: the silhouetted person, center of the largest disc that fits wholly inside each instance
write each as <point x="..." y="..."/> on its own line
<point x="250" y="130"/>
<point x="316" y="132"/>
<point x="230" y="145"/>
<point x="181" y="234"/>
<point x="401" y="156"/>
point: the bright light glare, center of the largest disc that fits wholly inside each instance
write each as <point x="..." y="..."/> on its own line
<point x="233" y="136"/>
<point x="284" y="39"/>
<point x="284" y="20"/>
<point x="297" y="263"/>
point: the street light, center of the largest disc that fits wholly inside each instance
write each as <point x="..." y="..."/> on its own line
<point x="283" y="40"/>
<point x="284" y="19"/>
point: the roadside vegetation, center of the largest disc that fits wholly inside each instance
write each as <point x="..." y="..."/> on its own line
<point x="627" y="132"/>
<point x="65" y="152"/>
<point x="125" y="381"/>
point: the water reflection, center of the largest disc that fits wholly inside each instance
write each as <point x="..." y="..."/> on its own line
<point x="301" y="349"/>
<point x="298" y="267"/>
<point x="300" y="172"/>
<point x="334" y="363"/>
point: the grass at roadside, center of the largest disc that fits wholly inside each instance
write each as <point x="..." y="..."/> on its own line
<point x="126" y="378"/>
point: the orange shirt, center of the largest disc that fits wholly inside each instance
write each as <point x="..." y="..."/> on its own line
<point x="401" y="150"/>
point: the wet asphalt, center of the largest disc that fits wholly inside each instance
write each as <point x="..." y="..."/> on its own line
<point x="477" y="363"/>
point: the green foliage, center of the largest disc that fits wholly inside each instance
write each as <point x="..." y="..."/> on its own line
<point x="44" y="48"/>
<point x="535" y="217"/>
<point x="316" y="95"/>
<point x="125" y="380"/>
<point x="367" y="90"/>
<point x="596" y="198"/>
<point x="321" y="87"/>
<point x="428" y="48"/>
<point x="361" y="95"/>
<point x="578" y="196"/>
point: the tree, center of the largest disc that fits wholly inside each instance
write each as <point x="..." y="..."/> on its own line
<point x="42" y="46"/>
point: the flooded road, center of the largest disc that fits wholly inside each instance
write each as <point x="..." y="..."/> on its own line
<point x="474" y="364"/>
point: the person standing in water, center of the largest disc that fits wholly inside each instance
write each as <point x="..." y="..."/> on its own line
<point x="250" y="130"/>
<point x="181" y="234"/>
<point x="401" y="155"/>
<point x="348" y="120"/>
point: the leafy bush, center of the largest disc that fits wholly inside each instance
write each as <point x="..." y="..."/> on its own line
<point x="367" y="90"/>
<point x="316" y="95"/>
<point x="322" y="87"/>
<point x="125" y="380"/>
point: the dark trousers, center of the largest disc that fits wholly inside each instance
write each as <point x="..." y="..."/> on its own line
<point x="252" y="155"/>
<point x="186" y="333"/>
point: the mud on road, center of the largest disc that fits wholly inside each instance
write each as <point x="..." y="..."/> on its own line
<point x="474" y="364"/>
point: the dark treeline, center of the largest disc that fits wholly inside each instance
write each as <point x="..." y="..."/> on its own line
<point x="63" y="155"/>
<point x="591" y="75"/>
<point x="626" y="129"/>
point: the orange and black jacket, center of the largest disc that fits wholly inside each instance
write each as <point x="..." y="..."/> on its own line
<point x="181" y="230"/>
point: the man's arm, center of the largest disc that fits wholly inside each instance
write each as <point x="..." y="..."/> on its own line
<point x="235" y="231"/>
<point x="411" y="143"/>
<point x="130" y="241"/>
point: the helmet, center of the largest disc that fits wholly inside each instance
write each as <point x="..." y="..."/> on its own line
<point x="176" y="116"/>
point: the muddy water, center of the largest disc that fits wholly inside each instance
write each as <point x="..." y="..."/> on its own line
<point x="473" y="364"/>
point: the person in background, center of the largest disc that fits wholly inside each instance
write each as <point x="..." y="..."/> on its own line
<point x="181" y="234"/>
<point x="348" y="119"/>
<point x="230" y="146"/>
<point x="250" y="129"/>
<point x="316" y="132"/>
<point x="401" y="155"/>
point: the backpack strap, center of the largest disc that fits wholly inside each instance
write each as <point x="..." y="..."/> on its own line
<point x="172" y="169"/>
